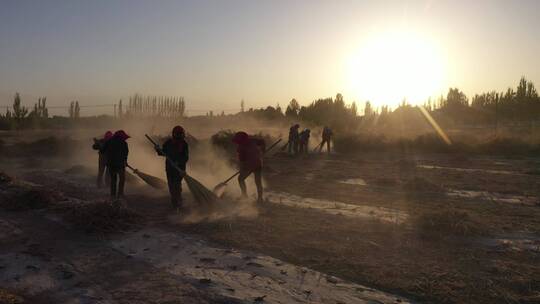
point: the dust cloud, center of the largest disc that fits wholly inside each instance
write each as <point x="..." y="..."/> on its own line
<point x="71" y="151"/>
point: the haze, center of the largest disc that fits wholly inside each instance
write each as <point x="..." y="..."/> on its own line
<point x="216" y="53"/>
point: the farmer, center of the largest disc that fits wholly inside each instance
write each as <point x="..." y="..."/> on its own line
<point x="175" y="149"/>
<point x="250" y="152"/>
<point x="304" y="141"/>
<point x="293" y="139"/>
<point x="326" y="138"/>
<point x="102" y="160"/>
<point x="116" y="151"/>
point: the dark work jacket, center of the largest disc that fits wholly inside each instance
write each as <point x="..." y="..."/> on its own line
<point x="177" y="152"/>
<point x="99" y="144"/>
<point x="116" y="151"/>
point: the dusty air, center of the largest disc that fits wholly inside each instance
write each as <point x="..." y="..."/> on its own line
<point x="351" y="152"/>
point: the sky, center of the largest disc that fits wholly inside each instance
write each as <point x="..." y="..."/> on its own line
<point x="216" y="53"/>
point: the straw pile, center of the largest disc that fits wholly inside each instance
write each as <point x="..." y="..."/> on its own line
<point x="102" y="217"/>
<point x="21" y="197"/>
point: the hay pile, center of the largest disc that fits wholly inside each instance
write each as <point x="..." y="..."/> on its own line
<point x="448" y="223"/>
<point x="22" y="197"/>
<point x="46" y="147"/>
<point x="223" y="140"/>
<point x="101" y="217"/>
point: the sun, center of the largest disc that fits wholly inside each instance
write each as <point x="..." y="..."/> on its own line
<point x="390" y="67"/>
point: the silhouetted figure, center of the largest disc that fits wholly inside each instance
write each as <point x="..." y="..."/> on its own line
<point x="102" y="159"/>
<point x="304" y="141"/>
<point x="250" y="152"/>
<point x="293" y="139"/>
<point x="326" y="138"/>
<point x="116" y="150"/>
<point x="175" y="149"/>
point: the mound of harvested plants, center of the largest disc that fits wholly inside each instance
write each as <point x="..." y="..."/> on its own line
<point x="223" y="140"/>
<point x="21" y="197"/>
<point x="46" y="147"/>
<point x="102" y="217"/>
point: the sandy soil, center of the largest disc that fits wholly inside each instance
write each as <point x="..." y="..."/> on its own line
<point x="370" y="227"/>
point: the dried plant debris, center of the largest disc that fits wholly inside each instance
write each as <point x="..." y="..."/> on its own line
<point x="102" y="217"/>
<point x="23" y="197"/>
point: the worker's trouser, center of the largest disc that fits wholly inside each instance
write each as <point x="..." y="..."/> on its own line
<point x="244" y="173"/>
<point x="304" y="147"/>
<point x="327" y="142"/>
<point x="118" y="179"/>
<point x="174" y="180"/>
<point x="293" y="146"/>
<point x="102" y="170"/>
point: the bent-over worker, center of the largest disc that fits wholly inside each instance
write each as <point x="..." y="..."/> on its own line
<point x="250" y="152"/>
<point x="176" y="150"/>
<point x="116" y="150"/>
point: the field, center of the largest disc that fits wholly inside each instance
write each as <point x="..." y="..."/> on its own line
<point x="385" y="227"/>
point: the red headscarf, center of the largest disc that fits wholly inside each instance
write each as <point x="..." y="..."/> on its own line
<point x="108" y="135"/>
<point x="120" y="134"/>
<point x="240" y="138"/>
<point x="179" y="143"/>
<point x="177" y="130"/>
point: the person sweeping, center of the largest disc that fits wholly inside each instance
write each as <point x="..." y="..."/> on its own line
<point x="293" y="139"/>
<point x="326" y="138"/>
<point x="304" y="141"/>
<point x="102" y="160"/>
<point x="176" y="150"/>
<point x="116" y="151"/>
<point x="250" y="152"/>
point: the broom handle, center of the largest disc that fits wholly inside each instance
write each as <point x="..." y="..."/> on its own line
<point x="238" y="172"/>
<point x="317" y="147"/>
<point x="182" y="172"/>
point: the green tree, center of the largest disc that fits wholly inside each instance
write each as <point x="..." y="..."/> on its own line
<point x="292" y="109"/>
<point x="368" y="110"/>
<point x="354" y="109"/>
<point x="19" y="111"/>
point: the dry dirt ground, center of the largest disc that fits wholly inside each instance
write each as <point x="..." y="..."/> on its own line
<point x="370" y="228"/>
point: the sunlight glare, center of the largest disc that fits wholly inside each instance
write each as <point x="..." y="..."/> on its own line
<point x="390" y="67"/>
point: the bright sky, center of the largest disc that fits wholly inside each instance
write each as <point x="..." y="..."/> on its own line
<point x="215" y="53"/>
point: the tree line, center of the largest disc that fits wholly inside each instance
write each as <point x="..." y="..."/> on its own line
<point x="159" y="106"/>
<point x="514" y="106"/>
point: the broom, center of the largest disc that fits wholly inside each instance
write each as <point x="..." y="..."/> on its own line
<point x="152" y="181"/>
<point x="218" y="189"/>
<point x="285" y="146"/>
<point x="317" y="147"/>
<point x="200" y="193"/>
